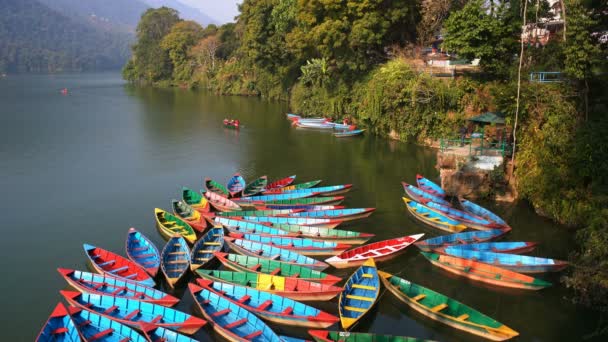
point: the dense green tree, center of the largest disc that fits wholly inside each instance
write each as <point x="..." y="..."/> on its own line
<point x="229" y="41"/>
<point x="183" y="36"/>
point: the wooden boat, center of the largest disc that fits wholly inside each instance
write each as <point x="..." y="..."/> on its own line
<point x="236" y="184"/>
<point x="104" y="284"/>
<point x="269" y="306"/>
<point x="59" y="327"/>
<point x="306" y="207"/>
<point x="195" y="200"/>
<point x="431" y="244"/>
<point x="230" y="320"/>
<point x="513" y="262"/>
<point x="168" y="225"/>
<point x="269" y="212"/>
<point x="306" y="185"/>
<point x="134" y="312"/>
<point x="432" y="218"/>
<point x="247" y="263"/>
<point x="465" y="218"/>
<point x="360" y="293"/>
<point x="379" y="251"/>
<point x="339" y="214"/>
<point x="255" y="187"/>
<point x="158" y="334"/>
<point x="216" y="187"/>
<point x="347" y="336"/>
<point x="185" y="212"/>
<point x="106" y="262"/>
<point x="175" y="259"/>
<point x="446" y="310"/>
<point x="280" y="196"/>
<point x="314" y="125"/>
<point x="303" y="202"/>
<point x="304" y="246"/>
<point x="422" y="196"/>
<point x="142" y="251"/>
<point x="94" y="327"/>
<point x="273" y="253"/>
<point x="333" y="235"/>
<point x="511" y="247"/>
<point x="478" y="210"/>
<point x="204" y="249"/>
<point x="231" y="123"/>
<point x="302" y="221"/>
<point x="293" y="288"/>
<point x="281" y="183"/>
<point x="331" y="190"/>
<point x="485" y="273"/>
<point x="221" y="203"/>
<point x="429" y="186"/>
<point x="351" y="133"/>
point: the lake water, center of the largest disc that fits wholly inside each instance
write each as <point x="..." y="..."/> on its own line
<point x="84" y="167"/>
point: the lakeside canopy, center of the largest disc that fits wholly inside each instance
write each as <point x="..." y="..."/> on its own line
<point x="489" y="118"/>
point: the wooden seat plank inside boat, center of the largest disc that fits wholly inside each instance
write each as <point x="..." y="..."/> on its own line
<point x="364" y="287"/>
<point x="439" y="307"/>
<point x="236" y="324"/>
<point x="350" y="308"/>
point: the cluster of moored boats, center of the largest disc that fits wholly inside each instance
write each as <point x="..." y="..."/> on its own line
<point x="341" y="130"/>
<point x="278" y="231"/>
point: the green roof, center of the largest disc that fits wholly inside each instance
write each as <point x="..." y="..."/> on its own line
<point x="489" y="117"/>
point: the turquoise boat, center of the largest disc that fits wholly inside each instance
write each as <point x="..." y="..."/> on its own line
<point x="337" y="214"/>
<point x="231" y="321"/>
<point x="260" y="250"/>
<point x="431" y="244"/>
<point x="59" y="327"/>
<point x="302" y="221"/>
<point x="133" y="312"/>
<point x="331" y="190"/>
<point x="158" y="334"/>
<point x="143" y="252"/>
<point x="272" y="212"/>
<point x="467" y="219"/>
<point x="429" y="186"/>
<point x="348" y="133"/>
<point x="513" y="262"/>
<point x="478" y="210"/>
<point x="94" y="327"/>
<point x="303" y="246"/>
<point x="269" y="306"/>
<point x="278" y="197"/>
<point x="360" y="294"/>
<point x="204" y="249"/>
<point x="420" y="195"/>
<point x="305" y="207"/>
<point x="432" y="218"/>
<point x="175" y="259"/>
<point x="513" y="247"/>
<point x="235" y="184"/>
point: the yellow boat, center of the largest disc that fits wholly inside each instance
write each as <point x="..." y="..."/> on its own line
<point x="168" y="225"/>
<point x="434" y="219"/>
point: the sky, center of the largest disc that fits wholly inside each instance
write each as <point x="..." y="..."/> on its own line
<point x="221" y="10"/>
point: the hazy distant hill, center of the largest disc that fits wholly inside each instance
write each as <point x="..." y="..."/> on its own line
<point x="185" y="11"/>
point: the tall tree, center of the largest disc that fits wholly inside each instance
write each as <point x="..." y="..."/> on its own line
<point x="177" y="43"/>
<point x="433" y="14"/>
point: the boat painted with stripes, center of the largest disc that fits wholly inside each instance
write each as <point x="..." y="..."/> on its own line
<point x="458" y="239"/>
<point x="360" y="294"/>
<point x="307" y="207"/>
<point x="195" y="200"/>
<point x="422" y="196"/>
<point x="331" y="190"/>
<point x="59" y="327"/>
<point x="314" y="125"/>
<point x="348" y="336"/>
<point x="231" y="321"/>
<point x="273" y="253"/>
<point x="255" y="187"/>
<point x="204" y="249"/>
<point x="432" y="218"/>
<point x="379" y="251"/>
<point x="299" y="186"/>
<point x="269" y="306"/>
<point x="281" y="183"/>
<point x="469" y="220"/>
<point x="235" y="184"/>
<point x="294" y="288"/>
<point x="513" y="262"/>
<point x="429" y="186"/>
<point x="175" y="259"/>
<point x="348" y="133"/>
<point x="104" y="284"/>
<point x="168" y="225"/>
<point x="247" y="263"/>
<point x="339" y="214"/>
<point x="302" y="221"/>
<point x="510" y="247"/>
<point x="159" y="334"/>
<point x="478" y="210"/>
<point x="95" y="327"/>
<point x="142" y="251"/>
<point x="106" y="262"/>
<point x="134" y="312"/>
<point x="185" y="212"/>
<point x="485" y="273"/>
<point x="216" y="187"/>
<point x="304" y="246"/>
<point x="280" y="196"/>
<point x="445" y="309"/>
<point x="270" y="212"/>
<point x="304" y="202"/>
<point x="221" y="203"/>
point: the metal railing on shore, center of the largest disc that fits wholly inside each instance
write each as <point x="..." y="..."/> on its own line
<point x="480" y="149"/>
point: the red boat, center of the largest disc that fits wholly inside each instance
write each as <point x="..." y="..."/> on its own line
<point x="281" y="183"/>
<point x="106" y="262"/>
<point x="231" y="123"/>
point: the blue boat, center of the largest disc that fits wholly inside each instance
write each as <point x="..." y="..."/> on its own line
<point x="513" y="262"/>
<point x="478" y="210"/>
<point x="429" y="186"/>
<point x="143" y="252"/>
<point x="316" y="125"/>
<point x="330" y="190"/>
<point x="348" y="133"/>
<point x="341" y="214"/>
<point x="512" y="247"/>
<point x="304" y="246"/>
<point x="260" y="250"/>
<point x="230" y="320"/>
<point x="432" y="218"/>
<point x="360" y="294"/>
<point x="236" y="184"/>
<point x="302" y="221"/>
<point x="431" y="244"/>
<point x="306" y="207"/>
<point x="269" y="306"/>
<point x="203" y="249"/>
<point x="94" y="327"/>
<point x="158" y="334"/>
<point x="422" y="196"/>
<point x="134" y="312"/>
<point x="104" y="284"/>
<point x="175" y="259"/>
<point x="280" y="196"/>
<point x="467" y="219"/>
<point x="59" y="327"/>
<point x="240" y="226"/>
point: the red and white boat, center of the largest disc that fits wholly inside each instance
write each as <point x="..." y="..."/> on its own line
<point x="221" y="203"/>
<point x="380" y="251"/>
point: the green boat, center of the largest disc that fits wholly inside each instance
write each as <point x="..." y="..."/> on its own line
<point x="308" y="201"/>
<point x="334" y="235"/>
<point x="216" y="187"/>
<point x="246" y="263"/>
<point x="346" y="336"/>
<point x="300" y="186"/>
<point x="445" y="309"/>
<point x="273" y="212"/>
<point x="255" y="187"/>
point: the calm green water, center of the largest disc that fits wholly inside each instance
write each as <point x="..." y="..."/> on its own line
<point x="87" y="166"/>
